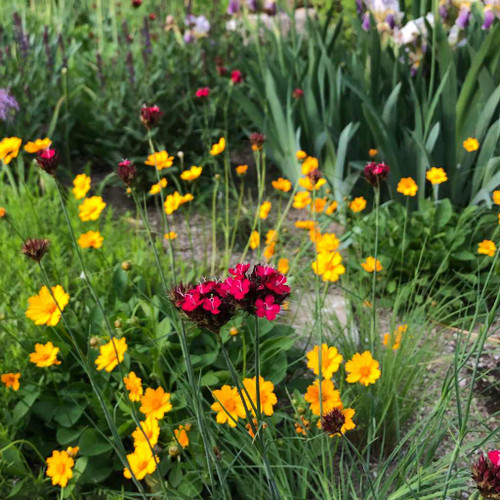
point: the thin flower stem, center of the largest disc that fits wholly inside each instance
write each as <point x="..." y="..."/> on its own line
<point x="257" y="367"/>
<point x="374" y="277"/>
<point x="214" y="227"/>
<point x="238" y="213"/>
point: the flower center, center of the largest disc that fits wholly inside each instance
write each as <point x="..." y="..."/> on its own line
<point x="51" y="308"/>
<point x="365" y="371"/>
<point x="61" y="468"/>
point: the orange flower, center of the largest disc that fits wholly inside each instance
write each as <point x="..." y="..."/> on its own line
<point x="228" y="405"/>
<point x="90" y="239"/>
<point x="487" y="247"/>
<point x="281" y="184"/>
<point x="2" y="212"/>
<point x="330" y="398"/>
<point x="496" y="197"/>
<point x="11" y="380"/>
<point x="327" y="242"/>
<point x="81" y="186"/>
<point x="362" y="368"/>
<point x="301" y="200"/>
<point x="331" y="208"/>
<point x="148" y="430"/>
<point x="254" y="240"/>
<point x="471" y="144"/>
<point x="160" y="160"/>
<point x="241" y="169"/>
<point x="307" y="183"/>
<point x="91" y="208"/>
<point x="305" y="224"/>
<point x="45" y="355"/>
<point x="309" y="164"/>
<point x="371" y="265"/>
<point x="43" y="309"/>
<point x="436" y="176"/>
<point x="283" y="266"/>
<point x="267" y="397"/>
<point x="407" y="186"/>
<point x="111" y="354"/>
<point x="372" y="152"/>
<point x="358" y="204"/>
<point x="181" y="435"/>
<point x="330" y="360"/>
<point x="264" y="210"/>
<point x="192" y="174"/>
<point x="60" y="468"/>
<point x="301" y="155"/>
<point x="134" y="386"/>
<point x="218" y="147"/>
<point x="155" y="403"/>
<point x="37" y="145"/>
<point x="156" y="188"/>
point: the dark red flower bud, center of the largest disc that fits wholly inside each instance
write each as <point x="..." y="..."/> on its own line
<point x="152" y="16"/>
<point x="257" y="140"/>
<point x="332" y="422"/>
<point x="127" y="172"/>
<point x="298" y="94"/>
<point x="486" y="474"/>
<point x="35" y="249"/>
<point x="48" y="159"/>
<point x="236" y="76"/>
<point x="376" y="172"/>
<point x="150" y="116"/>
<point x="136" y="3"/>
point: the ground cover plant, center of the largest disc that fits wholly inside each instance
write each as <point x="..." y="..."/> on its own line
<point x="208" y="292"/>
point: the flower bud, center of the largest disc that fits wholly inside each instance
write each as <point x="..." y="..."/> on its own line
<point x="48" y="160"/>
<point x="126" y="265"/>
<point x="150" y="116"/>
<point x="35" y="249"/>
<point x="376" y="172"/>
<point x="118" y="323"/>
<point x="257" y="140"/>
<point x="94" y="341"/>
<point x="127" y="172"/>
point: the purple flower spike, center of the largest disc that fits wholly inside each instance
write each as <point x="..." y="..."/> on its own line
<point x="366" y="21"/>
<point x="489" y="17"/>
<point x="234" y="7"/>
<point x="463" y="17"/>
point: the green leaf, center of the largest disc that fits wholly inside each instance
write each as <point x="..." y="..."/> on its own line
<point x="91" y="443"/>
<point x="68" y="414"/>
<point x="25" y="404"/>
<point x="444" y="211"/>
<point x="66" y="436"/>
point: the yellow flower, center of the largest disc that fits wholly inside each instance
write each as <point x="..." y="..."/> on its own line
<point x="90" y="239"/>
<point x="269" y="251"/>
<point x="91" y="208"/>
<point x="45" y="355"/>
<point x="218" y="147"/>
<point x="264" y="210"/>
<point x="81" y="186"/>
<point x="307" y="183"/>
<point x="142" y="462"/>
<point x="72" y="451"/>
<point x="3" y="212"/>
<point x="328" y="265"/>
<point x="436" y="175"/>
<point x="301" y="200"/>
<point x="407" y="186"/>
<point x="60" y="468"/>
<point x="11" y="380"/>
<point x="181" y="435"/>
<point x="362" y="368"/>
<point x="319" y="205"/>
<point x="172" y="235"/>
<point x="150" y="428"/>
<point x="330" y="360"/>
<point x="155" y="403"/>
<point x="487" y="247"/>
<point x="330" y="397"/>
<point x="301" y="155"/>
<point x="156" y="188"/>
<point x="241" y="169"/>
<point x="175" y="200"/>
<point x="233" y="331"/>
<point x="37" y="145"/>
<point x="254" y="240"/>
<point x="471" y="144"/>
<point x="370" y="265"/>
<point x="281" y="184"/>
<point x="496" y="197"/>
<point x="228" y="401"/>
<point x="9" y="148"/>
<point x="331" y="208"/>
<point x="309" y="164"/>
<point x="398" y="336"/>
<point x="134" y="386"/>
<point x="283" y="266"/>
<point x="43" y="309"/>
<point x="160" y="160"/>
<point x="271" y="236"/>
<point x="327" y="242"/>
<point x="372" y="152"/>
<point x="267" y="397"/>
<point x="107" y="359"/>
<point x="305" y="224"/>
<point x="348" y="422"/>
<point x="193" y="173"/>
<point x="358" y="204"/>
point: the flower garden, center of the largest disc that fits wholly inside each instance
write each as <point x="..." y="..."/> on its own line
<point x="250" y="250"/>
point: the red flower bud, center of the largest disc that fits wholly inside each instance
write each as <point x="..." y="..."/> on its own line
<point x="298" y="94"/>
<point x="236" y="76"/>
<point x="48" y="160"/>
<point x="150" y="116"/>
<point x="127" y="171"/>
<point x="35" y="249"/>
<point x="376" y="172"/>
<point x="136" y="3"/>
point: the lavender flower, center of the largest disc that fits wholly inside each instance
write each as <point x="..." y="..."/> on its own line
<point x="253" y="5"/>
<point x="366" y="21"/>
<point x="8" y="105"/>
<point x="234" y="7"/>
<point x="463" y="17"/>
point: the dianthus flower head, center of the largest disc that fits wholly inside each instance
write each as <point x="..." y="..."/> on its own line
<point x="35" y="248"/>
<point x="257" y="141"/>
<point x="407" y="186"/>
<point x="486" y="474"/>
<point x="37" y="145"/>
<point x="48" y="160"/>
<point x="375" y="173"/>
<point x="126" y="172"/>
<point x="81" y="186"/>
<point x="43" y="310"/>
<point x="141" y="462"/>
<point x="11" y="380"/>
<point x="228" y="405"/>
<point x="362" y="368"/>
<point x="45" y="355"/>
<point x="155" y="403"/>
<point x="330" y="360"/>
<point x="9" y="149"/>
<point x="436" y="175"/>
<point x="60" y="468"/>
<point x="330" y="398"/>
<point x="203" y="92"/>
<point x="90" y="209"/>
<point x="487" y="247"/>
<point x="150" y="116"/>
<point x="338" y="421"/>
<point x="236" y="76"/>
<point x="111" y="354"/>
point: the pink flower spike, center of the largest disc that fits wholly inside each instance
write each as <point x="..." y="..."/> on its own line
<point x="267" y="308"/>
<point x="212" y="304"/>
<point x="494" y="456"/>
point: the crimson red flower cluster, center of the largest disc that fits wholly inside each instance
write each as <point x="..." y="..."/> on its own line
<point x="376" y="172"/>
<point x="213" y="303"/>
<point x="486" y="473"/>
<point x="48" y="160"/>
<point x="150" y="116"/>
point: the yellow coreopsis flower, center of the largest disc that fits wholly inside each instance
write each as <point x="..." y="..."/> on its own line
<point x="228" y="401"/>
<point x="309" y="164"/>
<point x="331" y="208"/>
<point x="60" y="468"/>
<point x="271" y="236"/>
<point x="133" y="384"/>
<point x="267" y="397"/>
<point x="281" y="184"/>
<point x="142" y="462"/>
<point x="218" y="147"/>
<point x="305" y="224"/>
<point x="372" y="152"/>
<point x="156" y="188"/>
<point x="269" y="250"/>
<point x="148" y="430"/>
<point x="111" y="354"/>
<point x="160" y="160"/>
<point x="301" y="200"/>
<point x="370" y="265"/>
<point x="327" y="242"/>
<point x="362" y="368"/>
<point x="11" y="380"/>
<point x="43" y="309"/>
<point x="330" y="360"/>
<point x="81" y="186"/>
<point x="436" y="176"/>
<point x="319" y="205"/>
<point x="496" y="197"/>
<point x="181" y="435"/>
<point x="328" y="265"/>
<point x="155" y="403"/>
<point x="233" y="331"/>
<point x="72" y="451"/>
<point x="471" y="144"/>
<point x="91" y="208"/>
<point x="9" y="149"/>
<point x="241" y="169"/>
<point x="3" y="212"/>
<point x="45" y="355"/>
<point x="407" y="186"/>
<point x="37" y="145"/>
<point x="193" y="173"/>
<point x="358" y="204"/>
<point x="301" y="155"/>
<point x="398" y="337"/>
<point x="487" y="247"/>
<point x="254" y="240"/>
<point x="264" y="209"/>
<point x="172" y="235"/>
<point x="330" y="398"/>
<point x="283" y="266"/>
<point x="90" y="239"/>
<point x="308" y="184"/>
